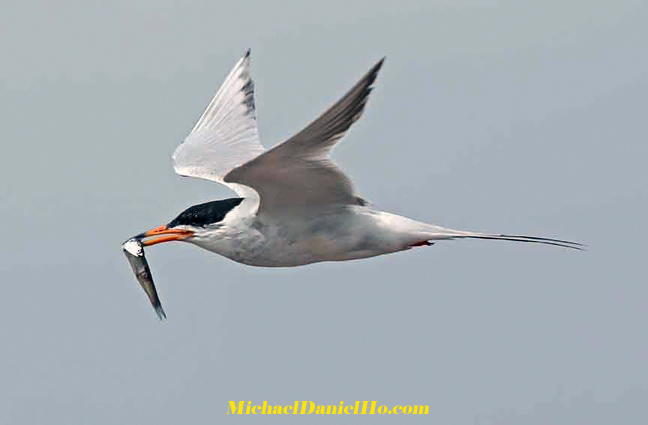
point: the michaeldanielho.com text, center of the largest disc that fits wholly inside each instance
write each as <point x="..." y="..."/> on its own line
<point x="307" y="407"/>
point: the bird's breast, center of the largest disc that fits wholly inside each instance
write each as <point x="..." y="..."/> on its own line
<point x="294" y="240"/>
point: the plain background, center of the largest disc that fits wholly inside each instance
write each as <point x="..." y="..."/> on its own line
<point x="500" y="116"/>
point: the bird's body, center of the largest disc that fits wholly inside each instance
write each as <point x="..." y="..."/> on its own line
<point x="333" y="233"/>
<point x="295" y="207"/>
<point x="309" y="235"/>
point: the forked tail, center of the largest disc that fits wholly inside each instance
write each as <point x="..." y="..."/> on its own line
<point x="517" y="238"/>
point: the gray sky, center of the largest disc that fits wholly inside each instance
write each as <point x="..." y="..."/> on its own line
<point x="500" y="116"/>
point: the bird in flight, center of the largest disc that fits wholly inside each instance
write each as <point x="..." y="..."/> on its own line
<point x="294" y="205"/>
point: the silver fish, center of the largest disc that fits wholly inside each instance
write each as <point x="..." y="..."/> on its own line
<point x="134" y="251"/>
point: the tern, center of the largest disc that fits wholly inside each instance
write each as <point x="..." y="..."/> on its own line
<point x="294" y="205"/>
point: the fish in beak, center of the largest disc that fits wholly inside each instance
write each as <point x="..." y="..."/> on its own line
<point x="134" y="251"/>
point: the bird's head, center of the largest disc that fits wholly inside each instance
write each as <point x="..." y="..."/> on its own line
<point x="190" y="223"/>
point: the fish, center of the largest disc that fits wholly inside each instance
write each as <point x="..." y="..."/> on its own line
<point x="134" y="251"/>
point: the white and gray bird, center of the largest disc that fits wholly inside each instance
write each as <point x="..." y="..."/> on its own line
<point x="294" y="206"/>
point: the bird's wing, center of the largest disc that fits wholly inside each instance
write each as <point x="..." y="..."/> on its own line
<point x="299" y="171"/>
<point x="226" y="134"/>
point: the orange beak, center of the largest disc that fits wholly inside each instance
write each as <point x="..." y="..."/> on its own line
<point x="166" y="235"/>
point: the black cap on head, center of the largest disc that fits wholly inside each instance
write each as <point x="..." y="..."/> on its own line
<point x="202" y="215"/>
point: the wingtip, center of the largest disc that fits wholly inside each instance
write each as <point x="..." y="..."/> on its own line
<point x="378" y="65"/>
<point x="247" y="53"/>
<point x="372" y="75"/>
<point x="160" y="312"/>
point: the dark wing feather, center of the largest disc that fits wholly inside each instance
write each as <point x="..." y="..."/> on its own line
<point x="299" y="172"/>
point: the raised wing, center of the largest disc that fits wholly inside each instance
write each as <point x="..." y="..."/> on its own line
<point x="226" y="134"/>
<point x="299" y="172"/>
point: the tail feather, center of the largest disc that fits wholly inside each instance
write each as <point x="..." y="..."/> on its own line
<point x="529" y="239"/>
<point x="457" y="234"/>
